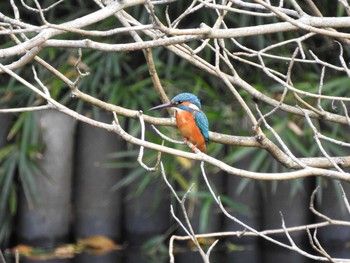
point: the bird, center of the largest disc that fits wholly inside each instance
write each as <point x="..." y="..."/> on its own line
<point x="190" y="119"/>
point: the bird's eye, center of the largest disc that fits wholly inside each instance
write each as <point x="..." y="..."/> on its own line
<point x="178" y="102"/>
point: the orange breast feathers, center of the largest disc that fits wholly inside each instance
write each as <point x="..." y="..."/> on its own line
<point x="187" y="125"/>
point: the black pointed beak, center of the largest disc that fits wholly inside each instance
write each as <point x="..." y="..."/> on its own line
<point x="165" y="105"/>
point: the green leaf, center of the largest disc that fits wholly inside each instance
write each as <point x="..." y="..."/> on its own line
<point x="16" y="127"/>
<point x="9" y="166"/>
<point x="239" y="207"/>
<point x="13" y="200"/>
<point x="5" y="151"/>
<point x="205" y="213"/>
<point x="257" y="161"/>
<point x="131" y="177"/>
<point x="180" y="179"/>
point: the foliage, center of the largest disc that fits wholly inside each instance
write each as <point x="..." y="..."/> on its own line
<point x="19" y="166"/>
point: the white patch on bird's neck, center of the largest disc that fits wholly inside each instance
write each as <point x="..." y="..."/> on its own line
<point x="194" y="107"/>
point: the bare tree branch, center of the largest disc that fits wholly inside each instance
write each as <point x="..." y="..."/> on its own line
<point x="224" y="52"/>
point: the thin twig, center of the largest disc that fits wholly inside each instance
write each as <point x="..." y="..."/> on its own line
<point x="279" y="139"/>
<point x="319" y="144"/>
<point x="2" y="259"/>
<point x="140" y="156"/>
<point x="313" y="210"/>
<point x="345" y="199"/>
<point x="164" y="137"/>
<point x="208" y="184"/>
<point x="26" y="109"/>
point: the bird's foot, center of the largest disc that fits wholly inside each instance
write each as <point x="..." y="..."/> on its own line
<point x="194" y="148"/>
<point x="188" y="143"/>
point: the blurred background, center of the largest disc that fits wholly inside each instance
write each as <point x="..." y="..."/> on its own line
<point x="63" y="182"/>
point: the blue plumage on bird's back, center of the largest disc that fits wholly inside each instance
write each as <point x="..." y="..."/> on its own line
<point x="203" y="124"/>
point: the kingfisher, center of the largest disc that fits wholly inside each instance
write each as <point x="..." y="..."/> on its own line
<point x="190" y="119"/>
